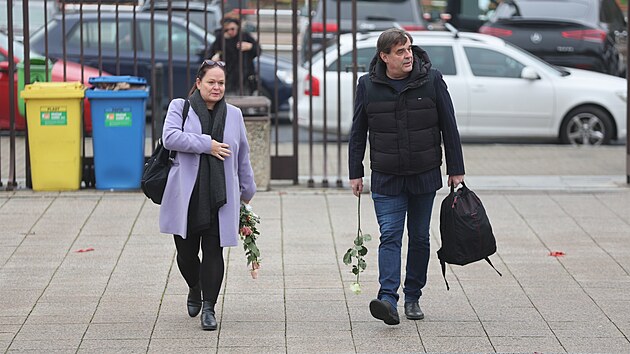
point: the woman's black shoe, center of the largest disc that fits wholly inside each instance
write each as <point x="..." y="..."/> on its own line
<point x="208" y="321"/>
<point x="194" y="301"/>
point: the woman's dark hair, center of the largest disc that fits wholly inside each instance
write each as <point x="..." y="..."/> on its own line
<point x="203" y="68"/>
<point x="390" y="38"/>
<point x="231" y="20"/>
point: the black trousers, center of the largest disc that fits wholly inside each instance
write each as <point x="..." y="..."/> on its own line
<point x="208" y="271"/>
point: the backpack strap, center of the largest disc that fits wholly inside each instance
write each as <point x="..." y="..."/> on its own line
<point x="171" y="154"/>
<point x="443" y="264"/>
<point x="488" y="260"/>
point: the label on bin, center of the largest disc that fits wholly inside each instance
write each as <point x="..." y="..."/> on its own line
<point x="118" y="117"/>
<point x="53" y="115"/>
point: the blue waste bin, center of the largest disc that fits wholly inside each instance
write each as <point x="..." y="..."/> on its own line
<point x="118" y="105"/>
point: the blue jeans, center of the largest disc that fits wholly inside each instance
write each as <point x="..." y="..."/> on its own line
<point x="390" y="213"/>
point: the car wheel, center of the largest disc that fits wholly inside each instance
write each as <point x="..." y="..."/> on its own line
<point x="586" y="126"/>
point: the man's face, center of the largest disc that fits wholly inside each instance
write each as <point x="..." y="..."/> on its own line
<point x="399" y="60"/>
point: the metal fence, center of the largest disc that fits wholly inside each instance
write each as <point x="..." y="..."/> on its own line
<point x="165" y="42"/>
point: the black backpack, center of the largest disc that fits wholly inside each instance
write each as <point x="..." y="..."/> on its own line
<point x="465" y="230"/>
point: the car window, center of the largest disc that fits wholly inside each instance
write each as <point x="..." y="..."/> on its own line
<point x="388" y="10"/>
<point x="557" y="10"/>
<point x="442" y="58"/>
<point x="111" y="34"/>
<point x="364" y="57"/>
<point x="178" y="35"/>
<point x="490" y="63"/>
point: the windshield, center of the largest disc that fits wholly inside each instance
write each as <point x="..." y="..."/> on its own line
<point x="319" y="55"/>
<point x="391" y="10"/>
<point x="550" y="69"/>
<point x="18" y="48"/>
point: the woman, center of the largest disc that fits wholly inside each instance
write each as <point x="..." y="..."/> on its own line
<point x="237" y="43"/>
<point x="211" y="174"/>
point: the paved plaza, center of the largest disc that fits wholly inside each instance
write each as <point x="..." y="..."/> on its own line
<point x="88" y="271"/>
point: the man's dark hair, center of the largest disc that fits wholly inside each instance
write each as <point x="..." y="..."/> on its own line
<point x="390" y="38"/>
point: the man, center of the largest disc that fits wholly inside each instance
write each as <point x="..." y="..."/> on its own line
<point x="407" y="110"/>
<point x="237" y="44"/>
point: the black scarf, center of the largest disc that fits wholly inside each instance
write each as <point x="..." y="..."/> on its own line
<point x="209" y="193"/>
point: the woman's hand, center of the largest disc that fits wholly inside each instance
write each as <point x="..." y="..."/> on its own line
<point x="220" y="150"/>
<point x="244" y="46"/>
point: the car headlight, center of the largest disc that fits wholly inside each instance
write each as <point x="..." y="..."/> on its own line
<point x="623" y="95"/>
<point x="285" y="76"/>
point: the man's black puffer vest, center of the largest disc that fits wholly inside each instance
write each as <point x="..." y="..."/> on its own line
<point x="404" y="127"/>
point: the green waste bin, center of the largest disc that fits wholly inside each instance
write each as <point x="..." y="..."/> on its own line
<point x="38" y="74"/>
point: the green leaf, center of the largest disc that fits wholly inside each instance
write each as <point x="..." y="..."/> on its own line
<point x="347" y="258"/>
<point x="358" y="241"/>
<point x="362" y="264"/>
<point x="367" y="237"/>
<point x="363" y="251"/>
<point x="353" y="252"/>
<point x="355" y="270"/>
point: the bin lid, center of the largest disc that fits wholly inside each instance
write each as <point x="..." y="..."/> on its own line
<point x="54" y="90"/>
<point x="132" y="80"/>
<point x="36" y="61"/>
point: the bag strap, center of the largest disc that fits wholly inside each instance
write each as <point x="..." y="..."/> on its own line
<point x="488" y="260"/>
<point x="172" y="153"/>
<point x="443" y="264"/>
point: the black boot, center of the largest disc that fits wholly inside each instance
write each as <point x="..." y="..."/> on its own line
<point x="194" y="300"/>
<point x="208" y="321"/>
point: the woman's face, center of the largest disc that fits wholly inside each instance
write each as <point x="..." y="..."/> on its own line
<point x="230" y="29"/>
<point x="212" y="86"/>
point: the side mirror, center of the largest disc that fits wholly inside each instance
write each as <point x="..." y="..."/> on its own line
<point x="529" y="73"/>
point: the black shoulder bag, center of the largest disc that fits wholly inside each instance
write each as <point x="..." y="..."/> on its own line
<point x="156" y="168"/>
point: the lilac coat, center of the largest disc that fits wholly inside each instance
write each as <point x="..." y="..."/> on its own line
<point x="189" y="144"/>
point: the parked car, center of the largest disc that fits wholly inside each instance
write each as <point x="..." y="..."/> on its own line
<point x="73" y="73"/>
<point x="584" y="34"/>
<point x="498" y="90"/>
<point x="205" y="14"/>
<point x="372" y="15"/>
<point x="117" y="48"/>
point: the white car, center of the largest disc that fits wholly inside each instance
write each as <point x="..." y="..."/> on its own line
<point x="498" y="90"/>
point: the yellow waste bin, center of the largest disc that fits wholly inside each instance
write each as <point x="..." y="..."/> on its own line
<point x="53" y="115"/>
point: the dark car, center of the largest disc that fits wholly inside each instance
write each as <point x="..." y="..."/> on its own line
<point x="372" y="15"/>
<point x="117" y="48"/>
<point x="584" y="34"/>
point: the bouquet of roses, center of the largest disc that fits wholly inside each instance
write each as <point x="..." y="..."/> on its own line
<point x="357" y="251"/>
<point x="249" y="233"/>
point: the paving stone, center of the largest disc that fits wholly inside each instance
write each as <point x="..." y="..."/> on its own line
<point x="512" y="344"/>
<point x="595" y="345"/>
<point x="48" y="345"/>
<point x="457" y="345"/>
<point x="114" y="345"/>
